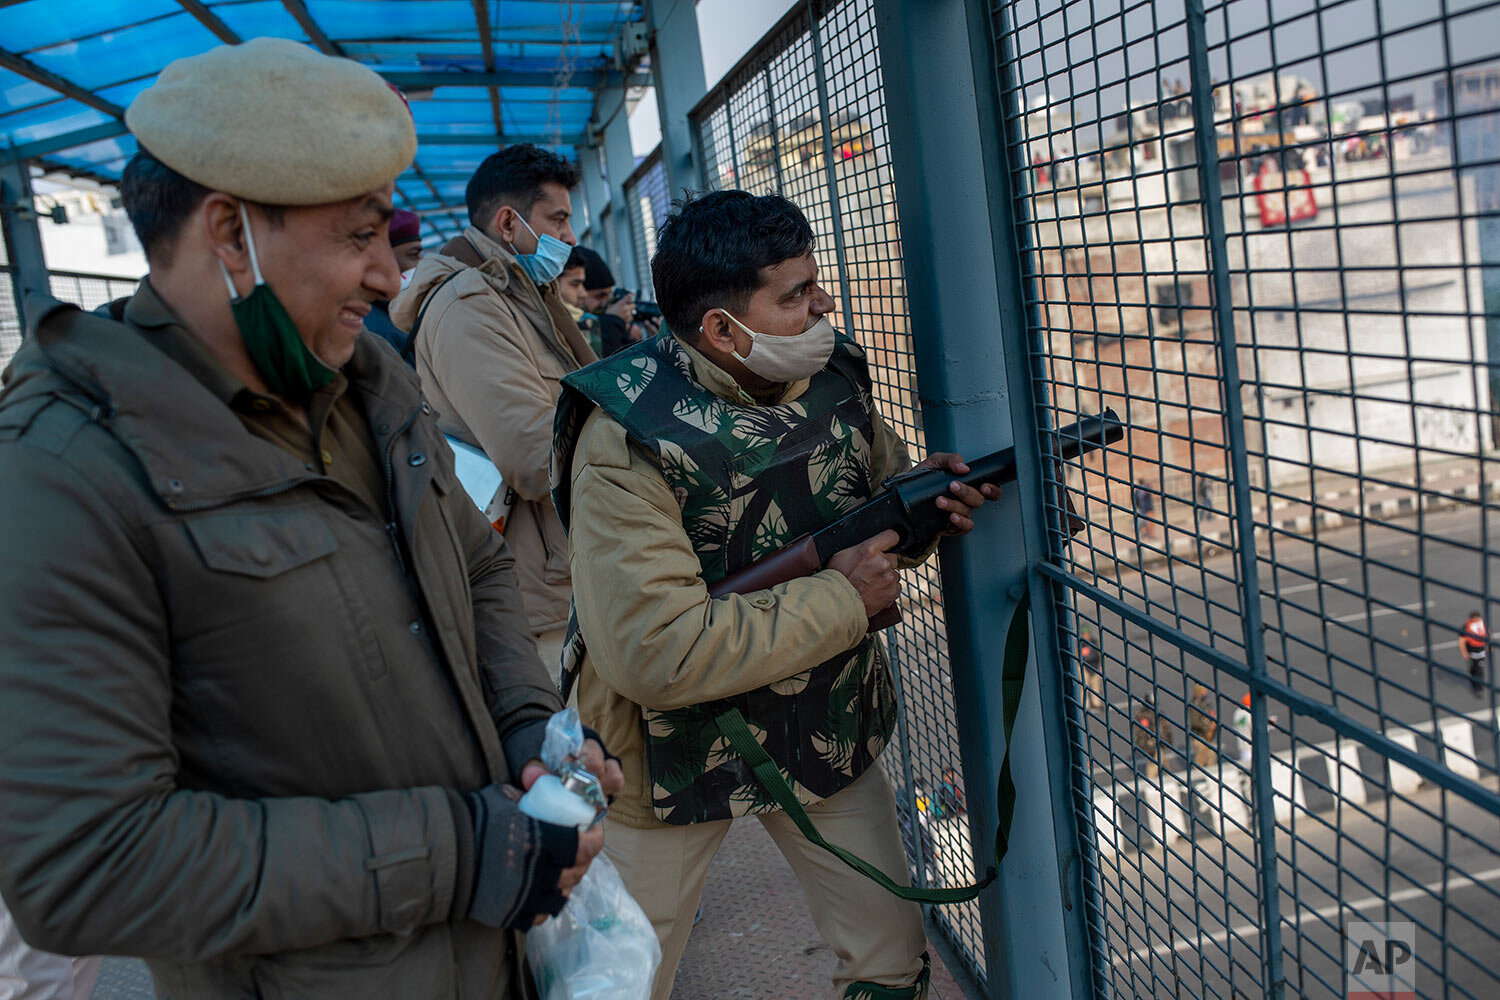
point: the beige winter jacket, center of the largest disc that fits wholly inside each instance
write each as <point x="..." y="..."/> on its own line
<point x="491" y="352"/>
<point x="663" y="642"/>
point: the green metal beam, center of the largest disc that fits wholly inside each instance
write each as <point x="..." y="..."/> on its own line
<point x="487" y="47"/>
<point x="677" y="66"/>
<point x="595" y="79"/>
<point x="211" y="21"/>
<point x="299" y="13"/>
<point x="109" y="130"/>
<point x="68" y="140"/>
<point x="23" y="238"/>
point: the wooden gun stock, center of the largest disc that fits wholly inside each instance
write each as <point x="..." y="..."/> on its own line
<point x="796" y="559"/>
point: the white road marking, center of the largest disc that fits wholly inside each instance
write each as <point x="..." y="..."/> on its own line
<point x="1306" y="586"/>
<point x="1323" y="912"/>
<point x="1382" y="612"/>
<point x="1424" y="650"/>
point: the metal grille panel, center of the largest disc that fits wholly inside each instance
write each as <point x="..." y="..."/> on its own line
<point x="1262" y="232"/>
<point x="804" y="116"/>
<point x="647" y="203"/>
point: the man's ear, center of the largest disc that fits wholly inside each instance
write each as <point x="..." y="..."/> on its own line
<point x="505" y="223"/>
<point x="218" y="219"/>
<point x="717" y="331"/>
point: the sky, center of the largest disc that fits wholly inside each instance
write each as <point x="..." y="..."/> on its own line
<point x="726" y="30"/>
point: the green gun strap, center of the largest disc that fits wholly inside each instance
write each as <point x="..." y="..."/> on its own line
<point x="731" y="725"/>
<point x="1012" y="678"/>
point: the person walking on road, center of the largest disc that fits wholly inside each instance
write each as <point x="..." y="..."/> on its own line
<point x="1093" y="666"/>
<point x="1142" y="503"/>
<point x="1203" y="491"/>
<point x="1474" y="639"/>
<point x="1149" y="732"/>
<point x="1203" y="723"/>
<point x="1242" y="730"/>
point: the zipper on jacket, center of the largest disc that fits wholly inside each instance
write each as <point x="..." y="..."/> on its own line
<point x="392" y="529"/>
<point x="555" y="343"/>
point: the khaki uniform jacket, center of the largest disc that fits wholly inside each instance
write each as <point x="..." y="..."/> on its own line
<point x="655" y="638"/>
<point x="491" y="355"/>
<point x="234" y="725"/>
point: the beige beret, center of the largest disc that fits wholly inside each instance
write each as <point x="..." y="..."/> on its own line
<point x="275" y="122"/>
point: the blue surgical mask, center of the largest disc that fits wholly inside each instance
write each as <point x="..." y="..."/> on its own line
<point x="549" y="260"/>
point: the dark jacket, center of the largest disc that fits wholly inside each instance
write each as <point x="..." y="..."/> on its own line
<point x="379" y="323"/>
<point x="235" y="719"/>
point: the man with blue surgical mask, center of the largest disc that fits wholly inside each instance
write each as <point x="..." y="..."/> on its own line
<point x="492" y="339"/>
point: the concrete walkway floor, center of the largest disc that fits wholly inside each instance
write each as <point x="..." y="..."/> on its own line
<point x="756" y="940"/>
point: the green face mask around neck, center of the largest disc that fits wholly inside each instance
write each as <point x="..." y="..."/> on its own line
<point x="271" y="338"/>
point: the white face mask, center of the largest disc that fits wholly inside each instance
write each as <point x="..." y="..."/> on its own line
<point x="406" y="277"/>
<point x="788" y="359"/>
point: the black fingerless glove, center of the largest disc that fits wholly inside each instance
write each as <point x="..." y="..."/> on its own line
<point x="518" y="861"/>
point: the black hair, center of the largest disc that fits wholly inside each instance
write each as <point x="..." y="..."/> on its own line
<point x="514" y="176"/>
<point x="576" y="259"/>
<point x="711" y="250"/>
<point x="159" y="200"/>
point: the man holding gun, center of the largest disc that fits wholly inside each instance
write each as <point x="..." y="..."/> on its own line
<point x="680" y="461"/>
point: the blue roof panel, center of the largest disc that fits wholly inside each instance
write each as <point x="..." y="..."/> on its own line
<point x="116" y="49"/>
<point x="125" y="55"/>
<point x="344" y="19"/>
<point x="19" y="92"/>
<point x="56" y="118"/>
<point x="267" y="19"/>
<point x="30" y="26"/>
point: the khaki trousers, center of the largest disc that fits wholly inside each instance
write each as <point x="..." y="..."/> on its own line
<point x="877" y="937"/>
<point x="549" y="648"/>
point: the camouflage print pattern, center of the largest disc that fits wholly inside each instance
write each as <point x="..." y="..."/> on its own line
<point x="874" y="991"/>
<point x="749" y="479"/>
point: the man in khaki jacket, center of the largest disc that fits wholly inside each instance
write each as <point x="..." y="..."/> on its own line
<point x="493" y="344"/>
<point x="678" y="461"/>
<point x="267" y="674"/>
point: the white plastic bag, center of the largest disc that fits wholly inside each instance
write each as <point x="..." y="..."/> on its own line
<point x="600" y="947"/>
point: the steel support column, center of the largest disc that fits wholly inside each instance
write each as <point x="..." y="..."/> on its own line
<point x="677" y="65"/>
<point x="1205" y="137"/>
<point x="619" y="163"/>
<point x="596" y="190"/>
<point x="973" y="375"/>
<point x="23" y="237"/>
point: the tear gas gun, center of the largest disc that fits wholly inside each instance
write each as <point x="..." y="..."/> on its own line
<point x="907" y="505"/>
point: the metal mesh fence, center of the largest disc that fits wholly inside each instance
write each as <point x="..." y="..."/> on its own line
<point x="90" y="290"/>
<point x="10" y="322"/>
<point x="804" y="116"/>
<point x="646" y="205"/>
<point x="87" y="290"/>
<point x="1265" y="233"/>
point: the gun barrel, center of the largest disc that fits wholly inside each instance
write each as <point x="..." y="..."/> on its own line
<point x="1076" y="438"/>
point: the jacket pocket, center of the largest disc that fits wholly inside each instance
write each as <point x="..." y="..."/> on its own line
<point x="554" y="545"/>
<point x="263" y="544"/>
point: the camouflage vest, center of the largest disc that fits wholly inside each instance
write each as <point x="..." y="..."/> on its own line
<point x="749" y="479"/>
